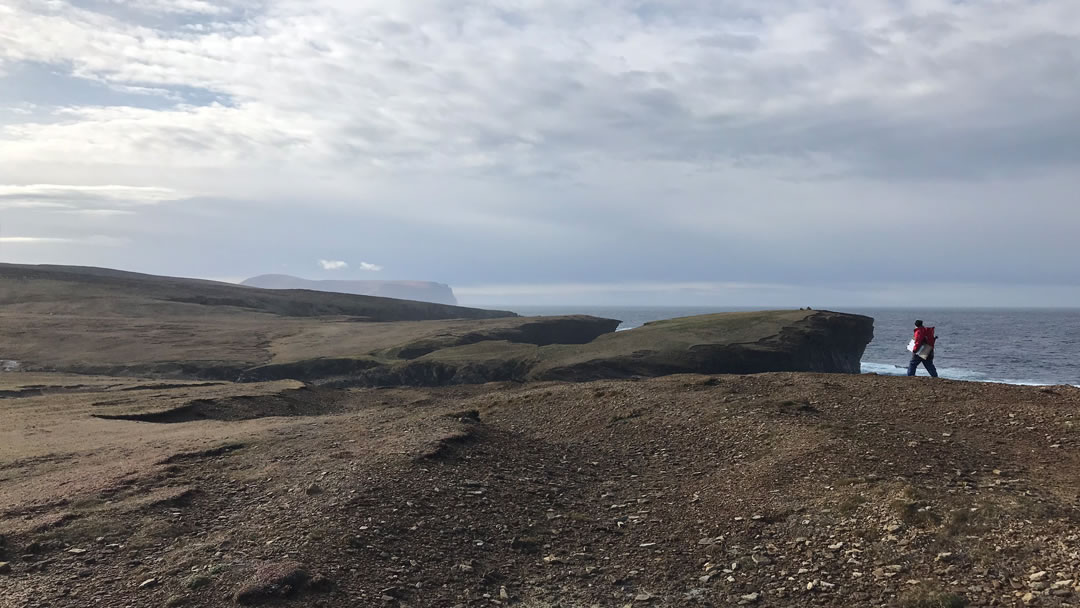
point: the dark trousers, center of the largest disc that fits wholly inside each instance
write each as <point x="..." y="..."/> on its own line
<point x="928" y="363"/>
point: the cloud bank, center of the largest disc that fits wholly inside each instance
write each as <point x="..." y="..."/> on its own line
<point x="803" y="143"/>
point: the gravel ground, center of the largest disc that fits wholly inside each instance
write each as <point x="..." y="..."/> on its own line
<point x="768" y="490"/>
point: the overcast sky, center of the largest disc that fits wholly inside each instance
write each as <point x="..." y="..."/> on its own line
<point x="724" y="152"/>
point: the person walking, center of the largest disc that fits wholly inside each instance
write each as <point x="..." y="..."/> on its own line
<point x="924" y="336"/>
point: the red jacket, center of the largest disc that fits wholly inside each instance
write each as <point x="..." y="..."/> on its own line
<point x="924" y="335"/>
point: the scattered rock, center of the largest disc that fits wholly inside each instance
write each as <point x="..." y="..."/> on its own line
<point x="150" y="582"/>
<point x="5" y="568"/>
<point x="313" y="489"/>
<point x="749" y="598"/>
<point x="1038" y="576"/>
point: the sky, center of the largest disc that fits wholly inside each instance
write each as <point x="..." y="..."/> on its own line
<point x="694" y="152"/>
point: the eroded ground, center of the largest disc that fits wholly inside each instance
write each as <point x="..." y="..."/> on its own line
<point x="771" y="490"/>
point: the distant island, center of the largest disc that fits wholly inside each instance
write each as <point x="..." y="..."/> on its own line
<point x="421" y="291"/>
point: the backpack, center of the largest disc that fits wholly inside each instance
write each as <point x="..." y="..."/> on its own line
<point x="928" y="343"/>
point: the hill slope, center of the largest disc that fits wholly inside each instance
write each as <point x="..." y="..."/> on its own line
<point x="107" y="321"/>
<point x="421" y="291"/>
<point x="73" y="289"/>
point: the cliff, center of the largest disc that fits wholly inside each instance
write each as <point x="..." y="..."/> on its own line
<point x="421" y="291"/>
<point x="730" y="343"/>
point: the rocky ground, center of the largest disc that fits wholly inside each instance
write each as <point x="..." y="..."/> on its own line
<point x="767" y="490"/>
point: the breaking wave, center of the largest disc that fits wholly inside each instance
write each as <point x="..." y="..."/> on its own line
<point x="951" y="373"/>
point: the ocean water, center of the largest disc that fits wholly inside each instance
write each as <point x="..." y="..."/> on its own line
<point x="1013" y="346"/>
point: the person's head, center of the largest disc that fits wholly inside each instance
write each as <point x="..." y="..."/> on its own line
<point x="918" y="323"/>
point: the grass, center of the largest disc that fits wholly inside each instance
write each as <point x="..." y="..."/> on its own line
<point x="912" y="507"/>
<point x="927" y="597"/>
<point x="914" y="513"/>
<point x="850" y="504"/>
<point x="85" y="531"/>
<point x="197" y="581"/>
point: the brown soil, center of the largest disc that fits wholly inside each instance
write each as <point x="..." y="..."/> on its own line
<point x="767" y="490"/>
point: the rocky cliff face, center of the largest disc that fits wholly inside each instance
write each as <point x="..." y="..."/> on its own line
<point x="421" y="291"/>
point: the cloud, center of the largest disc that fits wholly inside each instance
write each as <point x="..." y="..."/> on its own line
<point x="333" y="264"/>
<point x="23" y="240"/>
<point x="479" y="142"/>
<point x="541" y="87"/>
<point x="370" y="267"/>
<point x="100" y="201"/>
<point x="97" y="239"/>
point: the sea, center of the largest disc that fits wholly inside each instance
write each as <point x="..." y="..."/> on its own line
<point x="1037" y="347"/>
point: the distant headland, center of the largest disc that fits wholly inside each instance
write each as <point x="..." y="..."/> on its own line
<point x="421" y="291"/>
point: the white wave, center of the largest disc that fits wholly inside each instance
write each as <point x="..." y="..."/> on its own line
<point x="950" y="373"/>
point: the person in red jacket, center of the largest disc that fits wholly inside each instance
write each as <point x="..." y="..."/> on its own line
<point x="923" y="335"/>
